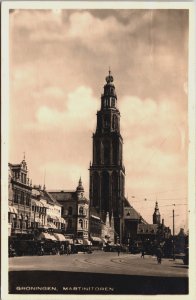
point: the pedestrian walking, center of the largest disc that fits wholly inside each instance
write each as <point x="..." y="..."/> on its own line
<point x="68" y="250"/>
<point x="118" y="250"/>
<point x="142" y="253"/>
<point x="159" y="254"/>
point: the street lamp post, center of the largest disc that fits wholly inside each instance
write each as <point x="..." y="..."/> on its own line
<point x="173" y="235"/>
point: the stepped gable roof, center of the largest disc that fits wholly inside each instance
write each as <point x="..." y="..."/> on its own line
<point x="147" y="228"/>
<point x="63" y="195"/>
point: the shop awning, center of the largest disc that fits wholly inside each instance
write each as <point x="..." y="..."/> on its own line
<point x="37" y="220"/>
<point x="12" y="209"/>
<point x="60" y="237"/>
<point x="62" y="220"/>
<point x="52" y="237"/>
<point x="51" y="225"/>
<point x="47" y="236"/>
<point x="96" y="239"/>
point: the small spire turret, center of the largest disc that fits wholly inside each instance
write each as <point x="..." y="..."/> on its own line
<point x="80" y="186"/>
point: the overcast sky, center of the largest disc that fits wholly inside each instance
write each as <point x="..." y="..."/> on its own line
<point x="58" y="63"/>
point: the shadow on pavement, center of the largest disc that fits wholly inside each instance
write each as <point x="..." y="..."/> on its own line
<point x="60" y="282"/>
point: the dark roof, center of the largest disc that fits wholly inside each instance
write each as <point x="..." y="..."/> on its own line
<point x="147" y="228"/>
<point x="62" y="196"/>
<point x="131" y="214"/>
<point x="126" y="202"/>
<point x="94" y="212"/>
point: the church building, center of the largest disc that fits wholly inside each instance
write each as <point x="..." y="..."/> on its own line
<point x="107" y="172"/>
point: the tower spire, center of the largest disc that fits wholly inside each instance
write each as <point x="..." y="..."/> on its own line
<point x="156" y="214"/>
<point x="107" y="172"/>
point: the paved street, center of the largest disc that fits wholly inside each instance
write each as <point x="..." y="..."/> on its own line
<point x="123" y="274"/>
<point x="101" y="262"/>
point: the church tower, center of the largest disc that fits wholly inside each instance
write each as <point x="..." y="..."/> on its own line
<point x="107" y="173"/>
<point x="156" y="215"/>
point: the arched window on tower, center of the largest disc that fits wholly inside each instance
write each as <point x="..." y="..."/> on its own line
<point x="122" y="185"/>
<point x="80" y="223"/>
<point x="115" y="191"/>
<point x="96" y="189"/>
<point x="106" y="152"/>
<point x="97" y="152"/>
<point x="115" y="151"/>
<point x="106" y="121"/>
<point x="105" y="192"/>
<point x="115" y="122"/>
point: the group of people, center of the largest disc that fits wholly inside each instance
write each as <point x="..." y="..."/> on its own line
<point x="65" y="251"/>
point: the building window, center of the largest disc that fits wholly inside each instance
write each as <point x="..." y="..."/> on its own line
<point x="81" y="210"/>
<point x="20" y="221"/>
<point x="16" y="196"/>
<point x="81" y="223"/>
<point x="27" y="200"/>
<point x="22" y="198"/>
<point x="14" y="222"/>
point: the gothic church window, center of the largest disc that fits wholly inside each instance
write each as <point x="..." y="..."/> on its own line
<point x="105" y="191"/>
<point x="107" y="152"/>
<point x="96" y="184"/>
<point x="115" y="122"/>
<point x="107" y="121"/>
<point x="97" y="151"/>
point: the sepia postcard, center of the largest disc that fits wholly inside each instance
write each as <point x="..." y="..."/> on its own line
<point x="98" y="150"/>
